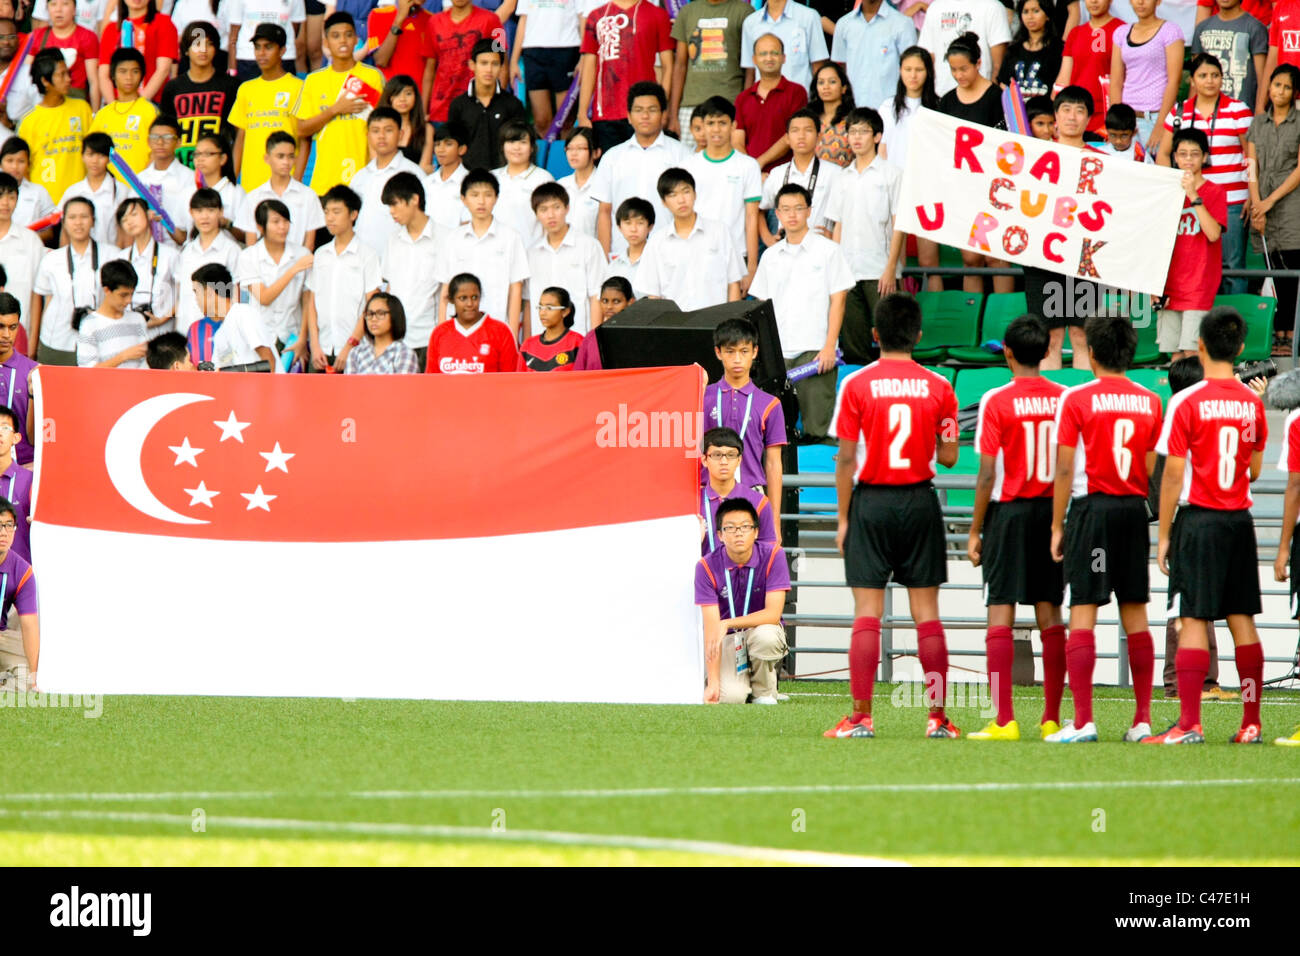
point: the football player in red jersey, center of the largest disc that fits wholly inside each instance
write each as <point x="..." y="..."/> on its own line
<point x="893" y="419"/>
<point x="1016" y="440"/>
<point x="1213" y="440"/>
<point x="1106" y="432"/>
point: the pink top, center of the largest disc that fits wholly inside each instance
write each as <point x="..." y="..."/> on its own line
<point x="1144" y="65"/>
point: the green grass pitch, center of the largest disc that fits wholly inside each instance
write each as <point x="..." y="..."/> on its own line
<point x="163" y="780"/>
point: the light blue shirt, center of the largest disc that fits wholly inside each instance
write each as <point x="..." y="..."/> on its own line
<point x="870" y="51"/>
<point x="800" y="29"/>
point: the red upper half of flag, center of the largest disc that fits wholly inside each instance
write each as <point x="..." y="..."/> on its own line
<point x="364" y="458"/>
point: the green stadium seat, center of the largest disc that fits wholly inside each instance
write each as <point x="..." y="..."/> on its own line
<point x="817" y="459"/>
<point x="1138" y="308"/>
<point x="972" y="383"/>
<point x="948" y="319"/>
<point x="944" y="370"/>
<point x="1069" y="377"/>
<point x="968" y="463"/>
<point x="1156" y="379"/>
<point x="1000" y="310"/>
<point x="1258" y="312"/>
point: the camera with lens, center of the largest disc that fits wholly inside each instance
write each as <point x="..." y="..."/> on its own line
<point x="1266" y="368"/>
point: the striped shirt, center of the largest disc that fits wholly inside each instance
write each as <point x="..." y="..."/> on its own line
<point x="1228" y="122"/>
<point x="397" y="359"/>
<point x="100" y="338"/>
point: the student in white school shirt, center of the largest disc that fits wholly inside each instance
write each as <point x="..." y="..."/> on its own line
<point x="806" y="170"/>
<point x="565" y="258"/>
<point x="274" y="272"/>
<point x="304" y="205"/>
<point x="374" y="225"/>
<point x="211" y="160"/>
<point x="582" y="152"/>
<point x="211" y="245"/>
<point x="171" y="176"/>
<point x="68" y="278"/>
<point x="807" y="278"/>
<point x="486" y="247"/>
<point x="632" y="168"/>
<point x="100" y="188"/>
<point x="410" y="260"/>
<point x="242" y="338"/>
<point x="442" y="187"/>
<point x="690" y="260"/>
<point x="21" y="252"/>
<point x="344" y="275"/>
<point x="154" y="264"/>
<point x="729" y="183"/>
<point x="34" y="202"/>
<point x="518" y="178"/>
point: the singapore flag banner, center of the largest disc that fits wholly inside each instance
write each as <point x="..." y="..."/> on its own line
<point x="477" y="537"/>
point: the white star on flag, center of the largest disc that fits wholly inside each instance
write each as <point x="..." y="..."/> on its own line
<point x="185" y="452"/>
<point x="231" y="428"/>
<point x="258" y="499"/>
<point x="277" y="458"/>
<point x="201" y="495"/>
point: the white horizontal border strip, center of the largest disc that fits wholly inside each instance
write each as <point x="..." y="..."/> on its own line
<point x="550" y="837"/>
<point x="601" y="613"/>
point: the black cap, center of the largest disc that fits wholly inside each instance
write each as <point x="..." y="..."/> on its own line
<point x="273" y="32"/>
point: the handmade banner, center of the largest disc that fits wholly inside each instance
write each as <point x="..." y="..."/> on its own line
<point x="485" y="537"/>
<point x="1037" y="203"/>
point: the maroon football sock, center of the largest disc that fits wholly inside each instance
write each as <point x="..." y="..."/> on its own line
<point x="1000" y="654"/>
<point x="1142" y="661"/>
<point x="864" y="656"/>
<point x="1053" y="671"/>
<point x="1250" y="668"/>
<point x="1192" y="664"/>
<point x="1080" y="659"/>
<point x="932" y="649"/>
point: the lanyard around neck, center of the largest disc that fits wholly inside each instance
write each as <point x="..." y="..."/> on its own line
<point x="731" y="604"/>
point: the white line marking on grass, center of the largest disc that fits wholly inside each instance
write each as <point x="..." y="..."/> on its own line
<point x="552" y="837"/>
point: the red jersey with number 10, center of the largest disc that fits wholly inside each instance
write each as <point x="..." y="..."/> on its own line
<point x="1111" y="423"/>
<point x="1017" y="428"/>
<point x="1216" y="424"/>
<point x="896" y="411"/>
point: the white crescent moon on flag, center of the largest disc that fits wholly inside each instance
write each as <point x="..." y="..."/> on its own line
<point x="124" y="445"/>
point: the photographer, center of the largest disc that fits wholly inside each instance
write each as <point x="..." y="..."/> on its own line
<point x="155" y="296"/>
<point x="68" y="278"/>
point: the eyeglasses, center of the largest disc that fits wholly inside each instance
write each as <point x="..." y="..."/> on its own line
<point x="161" y="138"/>
<point x="7" y="527"/>
<point x="723" y="456"/>
<point x="375" y="314"/>
<point x="780" y="209"/>
<point x="550" y="308"/>
<point x="738" y="528"/>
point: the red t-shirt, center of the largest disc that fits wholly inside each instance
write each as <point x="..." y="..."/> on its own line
<point x="1216" y="424"/>
<point x="1196" y="267"/>
<point x="1261" y="10"/>
<point x="763" y="120"/>
<point x="412" y="50"/>
<point x="1117" y="422"/>
<point x="896" y="411"/>
<point x="451" y="43"/>
<point x="155" y="39"/>
<point x="624" y="42"/>
<point x="1284" y="32"/>
<point x="1090" y="49"/>
<point x="82" y="40"/>
<point x="1017" y="428"/>
<point x="558" y="356"/>
<point x="1288" y="458"/>
<point x="490" y="347"/>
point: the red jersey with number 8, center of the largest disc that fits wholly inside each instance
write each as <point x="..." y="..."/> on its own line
<point x="1216" y="424"/>
<point x="896" y="410"/>
<point x="1111" y="423"/>
<point x="1017" y="429"/>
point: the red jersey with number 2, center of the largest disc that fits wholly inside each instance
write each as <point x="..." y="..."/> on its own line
<point x="1111" y="423"/>
<point x="896" y="411"/>
<point x="1216" y="424"/>
<point x="1017" y="429"/>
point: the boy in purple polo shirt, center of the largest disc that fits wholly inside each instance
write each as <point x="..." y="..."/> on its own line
<point x="18" y="591"/>
<point x="15" y="373"/>
<point x="722" y="449"/>
<point x="15" y="481"/>
<point x="737" y="403"/>
<point x="740" y="589"/>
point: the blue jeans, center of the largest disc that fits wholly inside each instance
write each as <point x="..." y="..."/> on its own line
<point x="1234" y="250"/>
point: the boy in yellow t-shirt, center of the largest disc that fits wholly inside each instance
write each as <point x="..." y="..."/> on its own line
<point x="336" y="121"/>
<point x="55" y="128"/>
<point x="127" y="118"/>
<point x="263" y="105"/>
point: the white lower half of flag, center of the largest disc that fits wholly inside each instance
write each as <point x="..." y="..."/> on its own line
<point x="603" y="613"/>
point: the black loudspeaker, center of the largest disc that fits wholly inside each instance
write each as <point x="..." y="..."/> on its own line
<point x="654" y="332"/>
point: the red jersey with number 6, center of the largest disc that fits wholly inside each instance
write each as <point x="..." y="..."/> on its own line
<point x="1216" y="424"/>
<point x="1111" y="423"/>
<point x="896" y="411"/>
<point x="1017" y="429"/>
